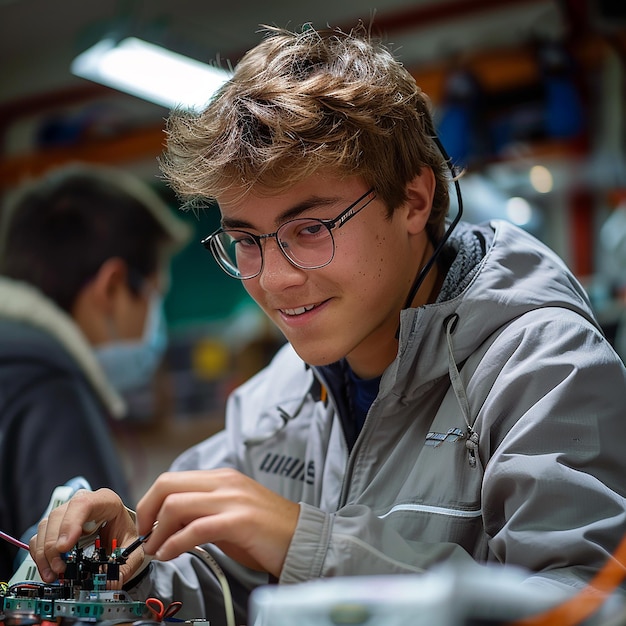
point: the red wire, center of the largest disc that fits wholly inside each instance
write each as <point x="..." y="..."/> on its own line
<point x="13" y="540"/>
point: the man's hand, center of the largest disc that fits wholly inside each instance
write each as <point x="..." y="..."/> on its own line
<point x="249" y="522"/>
<point x="63" y="528"/>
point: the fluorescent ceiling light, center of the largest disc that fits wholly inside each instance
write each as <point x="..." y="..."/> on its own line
<point x="150" y="72"/>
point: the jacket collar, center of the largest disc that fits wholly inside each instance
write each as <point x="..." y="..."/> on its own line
<point x="24" y="303"/>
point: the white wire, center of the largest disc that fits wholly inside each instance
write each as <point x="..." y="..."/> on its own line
<point x="221" y="577"/>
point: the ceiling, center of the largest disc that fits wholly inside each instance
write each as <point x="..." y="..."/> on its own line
<point x="41" y="37"/>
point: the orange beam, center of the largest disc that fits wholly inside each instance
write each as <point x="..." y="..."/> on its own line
<point x="137" y="144"/>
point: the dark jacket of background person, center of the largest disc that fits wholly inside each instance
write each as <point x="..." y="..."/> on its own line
<point x="56" y="402"/>
<point x="54" y="409"/>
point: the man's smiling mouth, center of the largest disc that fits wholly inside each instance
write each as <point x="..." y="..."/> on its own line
<point x="299" y="311"/>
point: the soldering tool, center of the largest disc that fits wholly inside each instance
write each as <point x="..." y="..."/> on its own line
<point x="135" y="544"/>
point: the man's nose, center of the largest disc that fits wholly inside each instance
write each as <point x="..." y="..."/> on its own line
<point x="278" y="271"/>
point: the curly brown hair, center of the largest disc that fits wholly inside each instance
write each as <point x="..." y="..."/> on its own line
<point x="302" y="101"/>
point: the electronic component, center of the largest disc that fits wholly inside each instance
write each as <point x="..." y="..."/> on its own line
<point x="80" y="594"/>
<point x="27" y="571"/>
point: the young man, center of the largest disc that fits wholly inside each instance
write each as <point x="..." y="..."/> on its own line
<point x="82" y="257"/>
<point x="454" y="407"/>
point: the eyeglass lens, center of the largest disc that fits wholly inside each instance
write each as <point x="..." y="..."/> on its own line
<point x="308" y="243"/>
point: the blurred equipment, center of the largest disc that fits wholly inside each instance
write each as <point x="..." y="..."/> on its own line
<point x="446" y="596"/>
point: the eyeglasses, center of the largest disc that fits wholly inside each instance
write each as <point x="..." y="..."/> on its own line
<point x="307" y="243"/>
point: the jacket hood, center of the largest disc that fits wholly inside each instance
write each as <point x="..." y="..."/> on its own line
<point x="516" y="274"/>
<point x="25" y="304"/>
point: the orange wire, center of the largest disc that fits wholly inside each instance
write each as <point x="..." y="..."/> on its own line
<point x="589" y="600"/>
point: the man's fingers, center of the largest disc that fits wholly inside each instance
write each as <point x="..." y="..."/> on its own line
<point x="61" y="531"/>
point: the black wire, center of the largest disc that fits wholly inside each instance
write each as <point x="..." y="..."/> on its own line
<point x="417" y="283"/>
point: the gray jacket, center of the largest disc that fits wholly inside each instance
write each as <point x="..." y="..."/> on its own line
<point x="497" y="436"/>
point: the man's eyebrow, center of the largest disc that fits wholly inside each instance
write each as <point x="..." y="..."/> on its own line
<point x="289" y="214"/>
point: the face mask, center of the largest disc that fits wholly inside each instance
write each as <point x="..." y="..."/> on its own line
<point x="131" y="364"/>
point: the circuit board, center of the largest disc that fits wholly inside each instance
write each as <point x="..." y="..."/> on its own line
<point x="81" y="594"/>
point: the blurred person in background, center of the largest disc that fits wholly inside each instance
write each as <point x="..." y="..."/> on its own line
<point x="84" y="255"/>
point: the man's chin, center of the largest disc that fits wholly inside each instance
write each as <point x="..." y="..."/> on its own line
<point x="315" y="357"/>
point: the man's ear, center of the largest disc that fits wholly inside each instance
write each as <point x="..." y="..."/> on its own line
<point x="97" y="301"/>
<point x="420" y="192"/>
<point x="105" y="285"/>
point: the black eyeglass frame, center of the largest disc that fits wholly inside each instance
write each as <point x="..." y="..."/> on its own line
<point x="212" y="243"/>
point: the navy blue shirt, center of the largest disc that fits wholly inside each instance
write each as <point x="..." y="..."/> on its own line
<point x="362" y="392"/>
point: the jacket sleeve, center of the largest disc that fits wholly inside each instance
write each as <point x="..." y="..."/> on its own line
<point x="554" y="497"/>
<point x="353" y="541"/>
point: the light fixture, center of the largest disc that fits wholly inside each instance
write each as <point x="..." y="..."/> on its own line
<point x="519" y="211"/>
<point x="541" y="178"/>
<point x="150" y="72"/>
